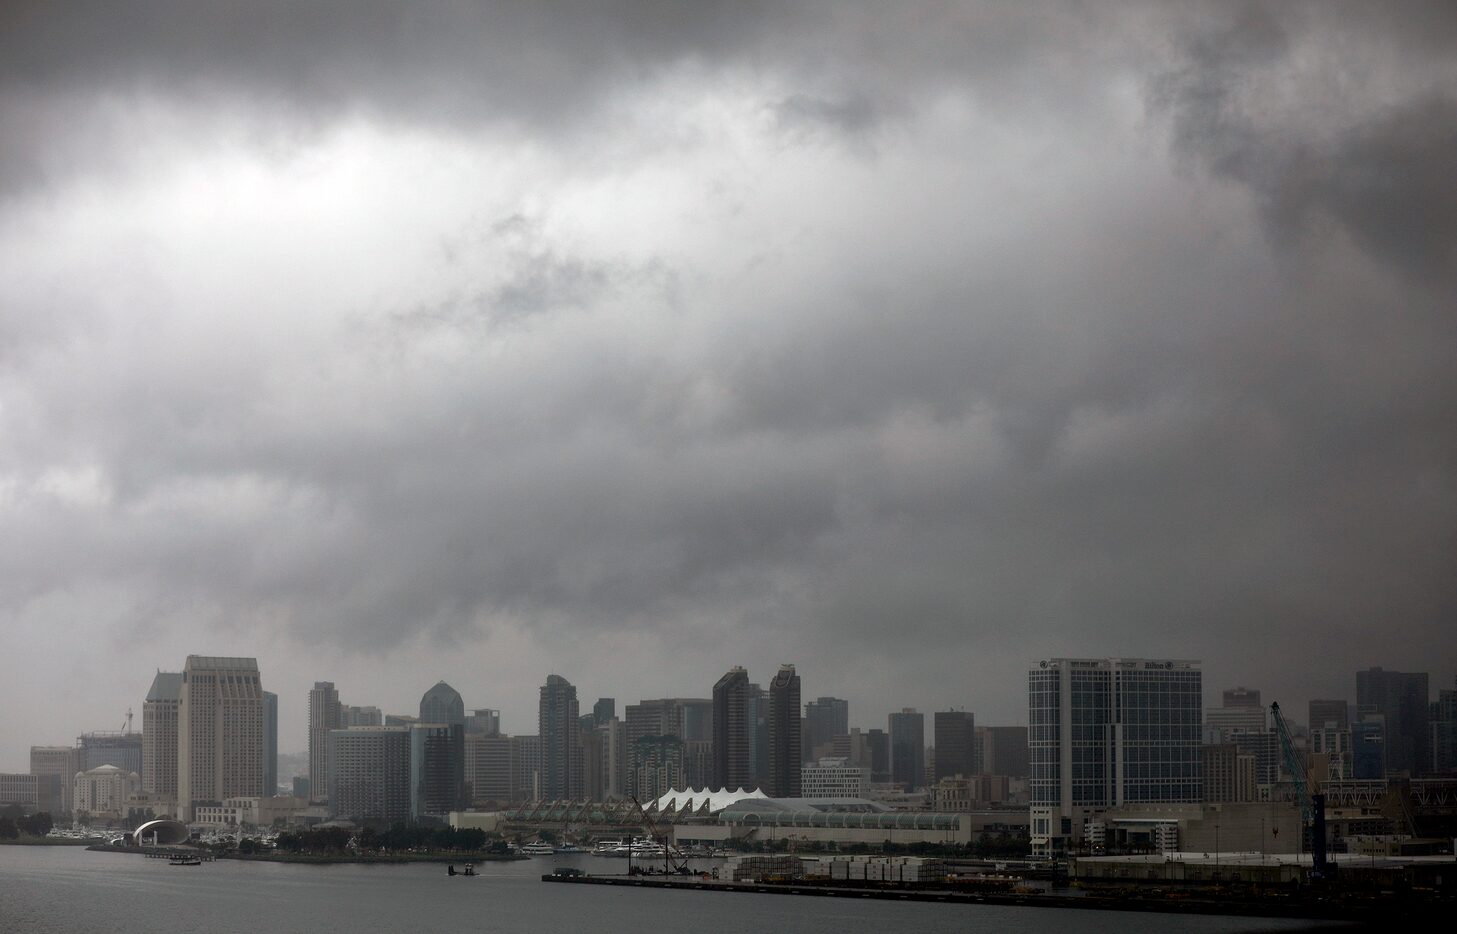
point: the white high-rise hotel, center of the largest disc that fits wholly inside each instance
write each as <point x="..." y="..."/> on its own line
<point x="1108" y="732"/>
<point x="219" y="732"/>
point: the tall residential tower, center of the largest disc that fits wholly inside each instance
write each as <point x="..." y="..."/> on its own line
<point x="732" y="765"/>
<point x="785" y="754"/>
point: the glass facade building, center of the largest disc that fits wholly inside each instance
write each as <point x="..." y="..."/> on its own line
<point x="1104" y="733"/>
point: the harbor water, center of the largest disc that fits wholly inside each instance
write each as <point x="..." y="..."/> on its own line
<point x="49" y="890"/>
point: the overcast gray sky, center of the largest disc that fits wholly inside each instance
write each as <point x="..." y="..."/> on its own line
<point x="910" y="343"/>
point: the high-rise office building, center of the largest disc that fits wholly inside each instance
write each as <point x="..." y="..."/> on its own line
<point x="956" y="747"/>
<point x="490" y="772"/>
<point x="1264" y="747"/>
<point x="159" y="733"/>
<point x="1106" y="732"/>
<point x="54" y="768"/>
<point x="1225" y="721"/>
<point x="908" y="749"/>
<point x="732" y="765"/>
<point x="270" y="744"/>
<point x="561" y="746"/>
<point x="785" y="741"/>
<point x="526" y="757"/>
<point x="879" y="743"/>
<point x="605" y="709"/>
<point x="325" y="715"/>
<point x="123" y="750"/>
<point x="350" y="715"/>
<point x="1226" y="774"/>
<point x="594" y="783"/>
<point x="758" y="718"/>
<point x="1242" y="697"/>
<point x="659" y="765"/>
<point x="697" y="764"/>
<point x="1403" y="698"/>
<point x="1368" y="746"/>
<point x="1334" y="744"/>
<point x="369" y="773"/>
<point x="1324" y="712"/>
<point x="1003" y="750"/>
<point x="484" y="720"/>
<point x="437" y="769"/>
<point x="442" y="704"/>
<point x="1444" y="733"/>
<point x="219" y="732"/>
<point x="824" y="719"/>
<point x="614" y="759"/>
<point x="697" y="714"/>
<point x="654" y="734"/>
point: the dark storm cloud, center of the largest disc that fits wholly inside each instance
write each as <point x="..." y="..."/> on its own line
<point x="1006" y="385"/>
<point x="71" y="75"/>
<point x="1381" y="170"/>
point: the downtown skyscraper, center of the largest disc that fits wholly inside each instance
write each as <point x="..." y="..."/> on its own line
<point x="325" y="713"/>
<point x="561" y="748"/>
<point x="219" y="732"/>
<point x="956" y="746"/>
<point x="159" y="733"/>
<point x="732" y="761"/>
<point x="1107" y="732"/>
<point x="1402" y="698"/>
<point x="908" y="748"/>
<point x="785" y="754"/>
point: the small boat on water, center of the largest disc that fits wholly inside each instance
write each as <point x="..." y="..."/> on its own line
<point x="609" y="848"/>
<point x="185" y="861"/>
<point x="569" y="848"/>
<point x="470" y="869"/>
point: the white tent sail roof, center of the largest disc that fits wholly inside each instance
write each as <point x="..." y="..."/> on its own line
<point x="690" y="799"/>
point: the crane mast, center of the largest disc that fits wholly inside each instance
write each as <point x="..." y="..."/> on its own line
<point x="1312" y="806"/>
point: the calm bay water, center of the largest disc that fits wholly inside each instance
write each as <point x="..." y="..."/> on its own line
<point x="66" y="889"/>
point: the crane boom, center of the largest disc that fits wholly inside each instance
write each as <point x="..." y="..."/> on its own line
<point x="1294" y="764"/>
<point x="1312" y="806"/>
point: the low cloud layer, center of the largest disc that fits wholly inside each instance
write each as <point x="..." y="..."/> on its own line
<point x="635" y="342"/>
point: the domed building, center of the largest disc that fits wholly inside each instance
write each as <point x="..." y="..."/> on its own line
<point x="102" y="791"/>
<point x="442" y="704"/>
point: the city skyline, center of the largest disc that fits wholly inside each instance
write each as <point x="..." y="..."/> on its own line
<point x="479" y="342"/>
<point x="520" y="717"/>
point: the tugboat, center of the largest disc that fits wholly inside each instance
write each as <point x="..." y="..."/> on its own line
<point x="470" y="869"/>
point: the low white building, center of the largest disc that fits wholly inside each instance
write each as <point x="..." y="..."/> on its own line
<point x="834" y="778"/>
<point x="233" y="812"/>
<point x="104" y="790"/>
<point x="18" y="788"/>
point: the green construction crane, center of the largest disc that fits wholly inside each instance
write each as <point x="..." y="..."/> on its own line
<point x="1312" y="806"/>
